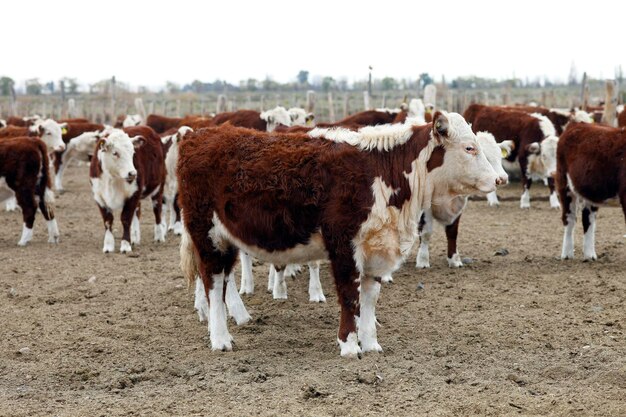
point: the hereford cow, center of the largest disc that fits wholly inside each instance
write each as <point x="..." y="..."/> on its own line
<point x="128" y="120"/>
<point x="364" y="118"/>
<point x="24" y="175"/>
<point x="170" y="193"/>
<point x="128" y="166"/>
<point x="590" y="172"/>
<point x="300" y="117"/>
<point x="23" y="121"/>
<point x="265" y="121"/>
<point x="351" y="197"/>
<point x="161" y="123"/>
<point x="447" y="204"/>
<point x="535" y="142"/>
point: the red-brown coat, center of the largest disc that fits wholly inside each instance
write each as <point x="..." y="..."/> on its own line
<point x="590" y="158"/>
<point x="143" y="178"/>
<point x="621" y="118"/>
<point x="364" y="118"/>
<point x="161" y="123"/>
<point x="250" y="119"/>
<point x="24" y="167"/>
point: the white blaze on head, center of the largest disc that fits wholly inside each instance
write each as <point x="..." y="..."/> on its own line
<point x="582" y="116"/>
<point x="50" y="133"/>
<point x="417" y="112"/>
<point x="494" y="152"/>
<point x="299" y="117"/>
<point x="465" y="167"/>
<point x="275" y="117"/>
<point x="132" y="120"/>
<point x="542" y="158"/>
<point x="115" y="153"/>
<point x="84" y="144"/>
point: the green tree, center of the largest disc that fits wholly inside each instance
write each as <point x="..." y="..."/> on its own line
<point x="425" y="79"/>
<point x="328" y="83"/>
<point x="33" y="87"/>
<point x="303" y="77"/>
<point x="251" y="84"/>
<point x="5" y="85"/>
<point x="171" y="87"/>
<point x="389" y="83"/>
<point x="71" y="85"/>
<point x="197" y="86"/>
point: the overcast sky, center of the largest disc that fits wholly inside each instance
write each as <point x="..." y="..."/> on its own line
<point x="148" y="43"/>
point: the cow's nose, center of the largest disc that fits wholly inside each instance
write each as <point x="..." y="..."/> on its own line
<point x="131" y="176"/>
<point x="504" y="180"/>
<point x="498" y="181"/>
<point x="60" y="148"/>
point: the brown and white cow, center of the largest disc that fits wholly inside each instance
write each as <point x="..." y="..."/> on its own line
<point x="25" y="175"/>
<point x="535" y="142"/>
<point x="128" y="166"/>
<point x="264" y="121"/>
<point x="170" y="193"/>
<point x="590" y="172"/>
<point x="351" y="197"/>
<point x="300" y="117"/>
<point x="448" y="203"/>
<point x="22" y="121"/>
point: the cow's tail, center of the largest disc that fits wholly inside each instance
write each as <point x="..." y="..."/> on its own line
<point x="44" y="183"/>
<point x="188" y="262"/>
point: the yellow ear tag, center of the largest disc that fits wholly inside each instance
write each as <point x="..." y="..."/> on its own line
<point x="438" y="125"/>
<point x="64" y="131"/>
<point x="504" y="153"/>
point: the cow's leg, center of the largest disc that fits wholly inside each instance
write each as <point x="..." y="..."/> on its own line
<point x="554" y="198"/>
<point x="135" y="226"/>
<point x="568" y="217"/>
<point x="109" y="240"/>
<point x="59" y="168"/>
<point x="10" y="204"/>
<point x="279" y="291"/>
<point x="201" y="304"/>
<point x="26" y="201"/>
<point x="589" y="228"/>
<point x="247" y="280"/>
<point x="526" y="181"/>
<point x="178" y="225"/>
<point x="492" y="199"/>
<point x="160" y="228"/>
<point x="316" y="293"/>
<point x="234" y="303"/>
<point x="46" y="205"/>
<point x="370" y="289"/>
<point x="347" y="282"/>
<point x="270" y="278"/>
<point x="425" y="229"/>
<point x="130" y="211"/>
<point x="452" y="230"/>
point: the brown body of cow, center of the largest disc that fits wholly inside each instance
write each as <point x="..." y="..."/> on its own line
<point x="148" y="160"/>
<point x="74" y="120"/>
<point x="24" y="168"/>
<point x="591" y="172"/>
<point x="364" y="118"/>
<point x="250" y="119"/>
<point x="12" y="131"/>
<point x="621" y="118"/>
<point x="161" y="123"/>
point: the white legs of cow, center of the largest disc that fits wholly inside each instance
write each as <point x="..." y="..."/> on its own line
<point x="316" y="293"/>
<point x="567" y="251"/>
<point x="366" y="325"/>
<point x="492" y="199"/>
<point x="234" y="303"/>
<point x="423" y="255"/>
<point x="589" y="213"/>
<point x="525" y="199"/>
<point x="27" y="235"/>
<point x="109" y="242"/>
<point x="554" y="200"/>
<point x="589" y="241"/>
<point x="247" y="280"/>
<point x="11" y="204"/>
<point x="53" y="231"/>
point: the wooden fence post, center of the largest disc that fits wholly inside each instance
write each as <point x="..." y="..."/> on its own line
<point x="112" y="119"/>
<point x="140" y="109"/>
<point x="310" y="101"/>
<point x="331" y="108"/>
<point x="584" y="92"/>
<point x="346" y="105"/>
<point x="366" y="100"/>
<point x="178" y="108"/>
<point x="71" y="108"/>
<point x="220" y="107"/>
<point x="610" y="104"/>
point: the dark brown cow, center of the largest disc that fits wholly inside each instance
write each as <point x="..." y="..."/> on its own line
<point x="21" y="121"/>
<point x="535" y="143"/>
<point x="558" y="118"/>
<point x="351" y="197"/>
<point x="24" y="173"/>
<point x="128" y="166"/>
<point x="590" y="172"/>
<point x="74" y="120"/>
<point x="161" y="123"/>
<point x="364" y="118"/>
<point x="252" y="119"/>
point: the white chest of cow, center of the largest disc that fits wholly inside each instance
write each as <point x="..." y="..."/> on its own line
<point x="112" y="192"/>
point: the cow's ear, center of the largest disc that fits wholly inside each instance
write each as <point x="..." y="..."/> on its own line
<point x="103" y="145"/>
<point x="441" y="126"/>
<point x="293" y="117"/>
<point x="534" y="148"/>
<point x="181" y="135"/>
<point x="138" y="141"/>
<point x="40" y="130"/>
<point x="270" y="119"/>
<point x="506" y="147"/>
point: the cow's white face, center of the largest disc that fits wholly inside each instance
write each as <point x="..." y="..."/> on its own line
<point x="115" y="153"/>
<point x="50" y="133"/>
<point x="84" y="144"/>
<point x="465" y="167"/>
<point x="494" y="152"/>
<point x="542" y="158"/>
<point x="275" y="117"/>
<point x="132" y="120"/>
<point x="299" y="117"/>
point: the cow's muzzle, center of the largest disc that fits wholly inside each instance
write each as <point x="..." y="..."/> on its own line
<point x="131" y="177"/>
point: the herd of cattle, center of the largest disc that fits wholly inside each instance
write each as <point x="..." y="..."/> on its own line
<point x="276" y="187"/>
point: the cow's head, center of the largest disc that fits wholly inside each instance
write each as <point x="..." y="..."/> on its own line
<point x="132" y="120"/>
<point x="83" y="144"/>
<point x="465" y="167"/>
<point x="275" y="117"/>
<point x="542" y="158"/>
<point x="495" y="152"/>
<point x="50" y="132"/>
<point x="115" y="153"/>
<point x="298" y="116"/>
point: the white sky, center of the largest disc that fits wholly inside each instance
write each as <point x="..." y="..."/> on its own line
<point x="148" y="43"/>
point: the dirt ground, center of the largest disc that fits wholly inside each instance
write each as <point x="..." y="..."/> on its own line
<point x="83" y="333"/>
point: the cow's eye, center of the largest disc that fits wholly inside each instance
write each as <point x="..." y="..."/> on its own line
<point x="470" y="149"/>
<point x="115" y="154"/>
